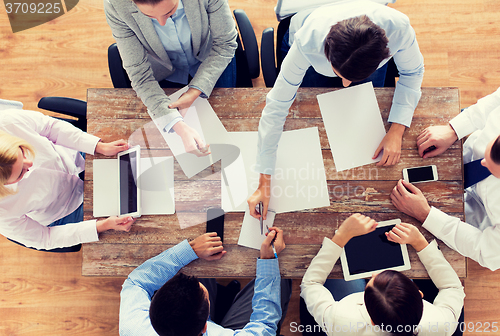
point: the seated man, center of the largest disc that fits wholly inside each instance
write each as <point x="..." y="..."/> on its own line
<point x="349" y="40"/>
<point x="158" y="299"/>
<point x="481" y="239"/>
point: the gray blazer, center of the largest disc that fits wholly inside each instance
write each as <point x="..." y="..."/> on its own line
<point x="146" y="61"/>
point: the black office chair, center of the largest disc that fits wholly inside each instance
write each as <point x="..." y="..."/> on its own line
<point x="75" y="108"/>
<point x="69" y="106"/>
<point x="247" y="56"/>
<point x="271" y="65"/>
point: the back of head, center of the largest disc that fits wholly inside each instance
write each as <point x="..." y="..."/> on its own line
<point x="148" y="2"/>
<point x="495" y="151"/>
<point x="355" y="47"/>
<point x="394" y="301"/>
<point x="9" y="152"/>
<point x="180" y="307"/>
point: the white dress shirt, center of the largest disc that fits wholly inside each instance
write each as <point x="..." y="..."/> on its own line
<point x="349" y="315"/>
<point x="481" y="239"/>
<point x="51" y="189"/>
<point x="308" y="50"/>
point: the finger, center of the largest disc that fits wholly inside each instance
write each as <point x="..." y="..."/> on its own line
<point x="214" y="239"/>
<point x="269" y="238"/>
<point x="266" y="204"/>
<point x="421" y="135"/>
<point x="396" y="238"/>
<point x="395" y="201"/>
<point x="215" y="249"/>
<point x="398" y="231"/>
<point x="210" y="234"/>
<point x="389" y="237"/>
<point x="396" y="192"/>
<point x="252" y="208"/>
<point x="216" y="256"/>
<point x="383" y="161"/>
<point x="402" y="188"/>
<point x="373" y="225"/>
<point x="410" y="187"/>
<point x="215" y="243"/>
<point x="377" y="152"/>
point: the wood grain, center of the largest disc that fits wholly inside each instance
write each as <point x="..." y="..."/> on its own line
<point x="116" y="113"/>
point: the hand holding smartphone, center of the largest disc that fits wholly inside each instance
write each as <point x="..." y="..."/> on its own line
<point x="215" y="221"/>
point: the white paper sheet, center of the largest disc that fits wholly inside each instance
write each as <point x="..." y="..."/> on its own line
<point x="203" y="119"/>
<point x="299" y="181"/>
<point x="353" y="125"/>
<point x="157" y="187"/>
<point x="250" y="230"/>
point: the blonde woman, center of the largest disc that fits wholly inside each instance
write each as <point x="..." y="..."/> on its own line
<point x="41" y="193"/>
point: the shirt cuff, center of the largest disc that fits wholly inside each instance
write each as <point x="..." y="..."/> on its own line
<point x="462" y="125"/>
<point x="184" y="252"/>
<point x="265" y="165"/>
<point x="168" y="128"/>
<point x="268" y="268"/>
<point x="88" y="233"/>
<point x="89" y="144"/>
<point x="434" y="221"/>
<point x="328" y="244"/>
<point x="428" y="253"/>
<point x="202" y="94"/>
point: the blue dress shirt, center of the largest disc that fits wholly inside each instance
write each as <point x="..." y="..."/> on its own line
<point x="151" y="275"/>
<point x="308" y="50"/>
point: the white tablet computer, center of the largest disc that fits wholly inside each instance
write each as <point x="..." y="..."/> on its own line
<point x="372" y="253"/>
<point x="129" y="197"/>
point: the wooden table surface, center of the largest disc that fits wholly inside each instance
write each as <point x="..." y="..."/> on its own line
<point x="118" y="113"/>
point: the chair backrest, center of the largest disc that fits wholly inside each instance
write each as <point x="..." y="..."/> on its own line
<point x="247" y="53"/>
<point x="73" y="107"/>
<point x="119" y="76"/>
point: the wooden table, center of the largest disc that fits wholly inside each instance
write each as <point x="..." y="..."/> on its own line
<point x="118" y="113"/>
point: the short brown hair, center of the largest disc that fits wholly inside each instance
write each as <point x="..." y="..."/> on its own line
<point x="495" y="151"/>
<point x="148" y="2"/>
<point x="394" y="300"/>
<point x="9" y="146"/>
<point x="355" y="47"/>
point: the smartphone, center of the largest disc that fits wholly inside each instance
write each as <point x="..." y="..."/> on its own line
<point x="420" y="174"/>
<point x="215" y="221"/>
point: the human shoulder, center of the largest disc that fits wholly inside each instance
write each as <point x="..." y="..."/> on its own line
<point x="17" y="116"/>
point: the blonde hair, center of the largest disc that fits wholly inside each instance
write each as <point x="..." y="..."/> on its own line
<point x="9" y="146"/>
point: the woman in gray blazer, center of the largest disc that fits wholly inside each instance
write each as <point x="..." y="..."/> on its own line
<point x="182" y="41"/>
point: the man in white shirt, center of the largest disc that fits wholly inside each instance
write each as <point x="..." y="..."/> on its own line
<point x="350" y="40"/>
<point x="479" y="238"/>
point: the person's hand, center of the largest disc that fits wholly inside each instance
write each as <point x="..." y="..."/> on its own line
<point x="262" y="194"/>
<point x="435" y="140"/>
<point x="275" y="236"/>
<point x="355" y="225"/>
<point x="405" y="233"/>
<point x="115" y="223"/>
<point x="208" y="246"/>
<point x="111" y="148"/>
<point x="185" y="100"/>
<point x="391" y="145"/>
<point x="409" y="199"/>
<point x="191" y="139"/>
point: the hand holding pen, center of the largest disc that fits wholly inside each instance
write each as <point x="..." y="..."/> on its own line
<point x="273" y="244"/>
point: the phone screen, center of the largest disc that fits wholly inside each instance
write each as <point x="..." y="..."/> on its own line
<point x="420" y="174"/>
<point x="215" y="221"/>
<point x="128" y="183"/>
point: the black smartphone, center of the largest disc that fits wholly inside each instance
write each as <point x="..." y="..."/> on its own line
<point x="215" y="221"/>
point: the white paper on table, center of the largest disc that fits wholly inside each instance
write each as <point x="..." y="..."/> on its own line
<point x="353" y="125"/>
<point x="299" y="181"/>
<point x="157" y="186"/>
<point x="250" y="235"/>
<point x="203" y="119"/>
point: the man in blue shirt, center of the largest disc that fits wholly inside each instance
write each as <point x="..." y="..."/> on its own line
<point x="181" y="304"/>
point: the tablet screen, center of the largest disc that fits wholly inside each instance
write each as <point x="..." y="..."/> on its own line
<point x="373" y="252"/>
<point x="128" y="183"/>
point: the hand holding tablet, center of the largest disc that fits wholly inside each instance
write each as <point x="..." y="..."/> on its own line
<point x="405" y="233"/>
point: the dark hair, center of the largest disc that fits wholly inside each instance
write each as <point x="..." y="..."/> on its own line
<point x="148" y="2"/>
<point x="495" y="151"/>
<point x="394" y="300"/>
<point x="355" y="47"/>
<point x="180" y="307"/>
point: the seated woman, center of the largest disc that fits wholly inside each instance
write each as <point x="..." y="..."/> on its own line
<point x="177" y="42"/>
<point x="391" y="303"/>
<point x="40" y="189"/>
